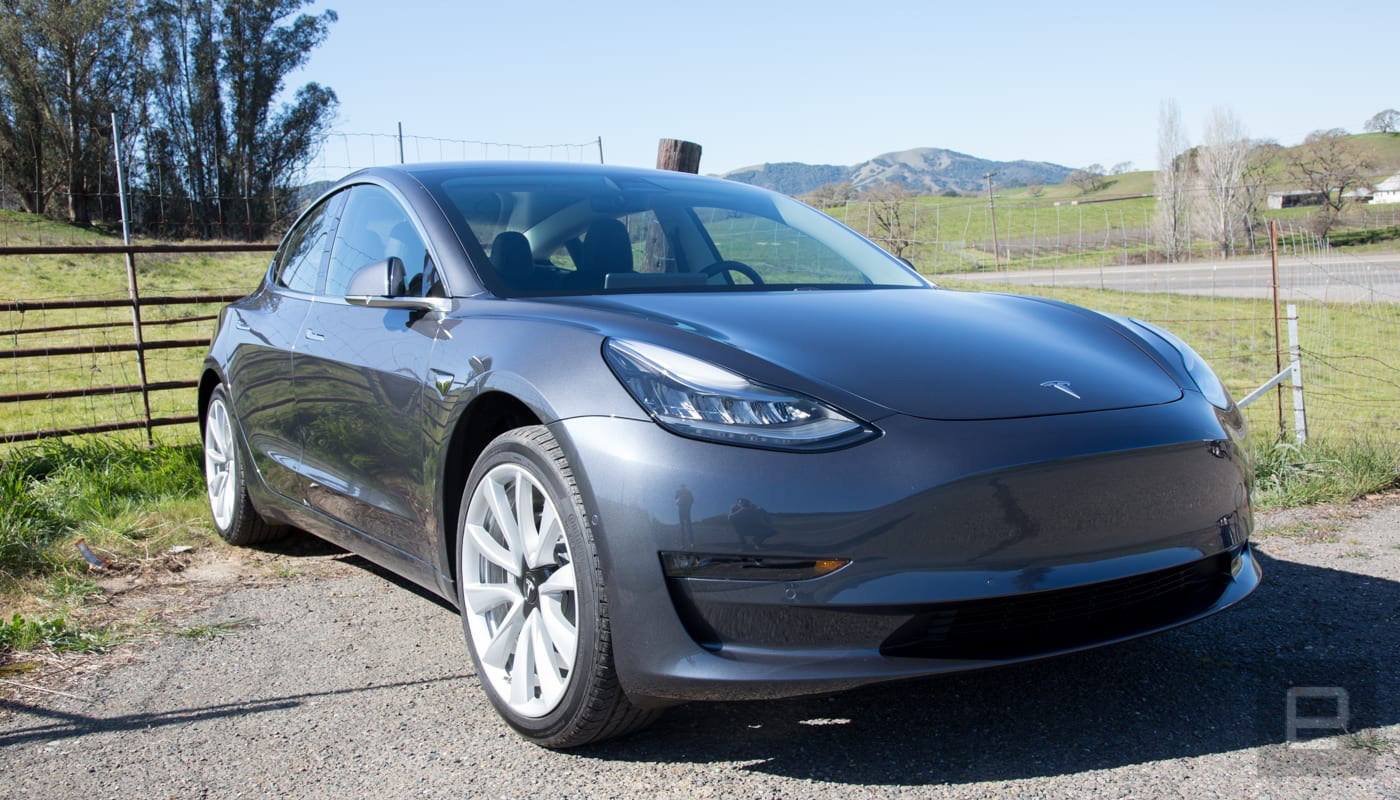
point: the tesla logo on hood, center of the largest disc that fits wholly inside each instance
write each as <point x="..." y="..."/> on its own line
<point x="1062" y="386"/>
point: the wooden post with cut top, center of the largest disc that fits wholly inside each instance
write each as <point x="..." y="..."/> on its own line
<point x="677" y="156"/>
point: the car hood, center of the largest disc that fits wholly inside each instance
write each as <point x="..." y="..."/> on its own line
<point x="924" y="352"/>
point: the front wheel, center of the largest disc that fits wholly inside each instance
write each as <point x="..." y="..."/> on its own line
<point x="234" y="516"/>
<point x="534" y="606"/>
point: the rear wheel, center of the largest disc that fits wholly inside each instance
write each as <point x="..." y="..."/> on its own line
<point x="234" y="516"/>
<point x="533" y="601"/>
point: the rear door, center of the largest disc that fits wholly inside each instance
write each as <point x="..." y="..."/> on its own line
<point x="361" y="374"/>
<point x="260" y="371"/>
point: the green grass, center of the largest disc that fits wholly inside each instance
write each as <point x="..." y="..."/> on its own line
<point x="1287" y="475"/>
<point x="125" y="500"/>
<point x="53" y="633"/>
<point x="34" y="279"/>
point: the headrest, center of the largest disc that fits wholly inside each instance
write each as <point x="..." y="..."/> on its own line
<point x="606" y="248"/>
<point x="510" y="252"/>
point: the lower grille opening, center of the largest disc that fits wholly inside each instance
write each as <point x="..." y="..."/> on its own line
<point x="1061" y="619"/>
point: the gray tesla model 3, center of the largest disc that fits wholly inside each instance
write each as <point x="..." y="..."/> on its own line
<point x="662" y="437"/>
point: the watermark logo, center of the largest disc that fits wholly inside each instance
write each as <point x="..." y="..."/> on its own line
<point x="1309" y="714"/>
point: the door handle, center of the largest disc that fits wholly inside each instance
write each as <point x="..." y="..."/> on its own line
<point x="240" y="324"/>
<point x="314" y="336"/>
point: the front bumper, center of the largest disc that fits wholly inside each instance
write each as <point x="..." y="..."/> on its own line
<point x="1041" y="535"/>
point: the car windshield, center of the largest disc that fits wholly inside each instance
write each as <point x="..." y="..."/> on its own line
<point x="544" y="233"/>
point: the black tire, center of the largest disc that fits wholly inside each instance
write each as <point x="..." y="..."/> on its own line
<point x="593" y="707"/>
<point x="241" y="525"/>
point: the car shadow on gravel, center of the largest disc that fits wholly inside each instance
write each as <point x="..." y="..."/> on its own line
<point x="1218" y="686"/>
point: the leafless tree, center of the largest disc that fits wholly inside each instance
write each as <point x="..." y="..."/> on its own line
<point x="1329" y="163"/>
<point x="889" y="205"/>
<point x="1088" y="179"/>
<point x="1263" y="157"/>
<point x="1035" y="190"/>
<point x="1172" y="183"/>
<point x="1122" y="167"/>
<point x="1387" y="121"/>
<point x="1218" y="199"/>
<point x="829" y="195"/>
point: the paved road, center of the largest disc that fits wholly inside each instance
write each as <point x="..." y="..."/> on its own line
<point x="1373" y="277"/>
<point x="353" y="686"/>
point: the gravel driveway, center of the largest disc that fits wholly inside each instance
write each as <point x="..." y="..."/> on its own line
<point x="350" y="685"/>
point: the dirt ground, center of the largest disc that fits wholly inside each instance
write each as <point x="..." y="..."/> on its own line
<point x="305" y="671"/>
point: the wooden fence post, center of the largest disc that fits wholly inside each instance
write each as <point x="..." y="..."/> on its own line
<point x="676" y="156"/>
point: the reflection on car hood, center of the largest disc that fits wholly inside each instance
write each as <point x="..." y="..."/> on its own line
<point x="926" y="353"/>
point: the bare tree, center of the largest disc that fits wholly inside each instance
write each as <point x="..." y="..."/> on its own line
<point x="1263" y="156"/>
<point x="888" y="204"/>
<point x="1173" y="173"/>
<point x="829" y="195"/>
<point x="1088" y="179"/>
<point x="1122" y="167"/>
<point x="1218" y="201"/>
<point x="1387" y="121"/>
<point x="1035" y="189"/>
<point x="1329" y="163"/>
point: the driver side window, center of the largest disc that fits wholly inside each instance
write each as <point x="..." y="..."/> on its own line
<point x="374" y="226"/>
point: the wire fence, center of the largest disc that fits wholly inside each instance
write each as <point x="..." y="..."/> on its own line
<point x="940" y="235"/>
<point x="161" y="208"/>
<point x="1348" y="321"/>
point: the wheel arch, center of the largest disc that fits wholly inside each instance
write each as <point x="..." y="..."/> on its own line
<point x="487" y="416"/>
<point x="208" y="379"/>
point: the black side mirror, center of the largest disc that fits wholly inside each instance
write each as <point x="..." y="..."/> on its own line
<point x="382" y="278"/>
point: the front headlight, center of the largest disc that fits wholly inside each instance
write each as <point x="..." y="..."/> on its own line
<point x="698" y="399"/>
<point x="1200" y="372"/>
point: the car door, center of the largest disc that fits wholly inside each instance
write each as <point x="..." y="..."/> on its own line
<point x="360" y="377"/>
<point x="260" y="371"/>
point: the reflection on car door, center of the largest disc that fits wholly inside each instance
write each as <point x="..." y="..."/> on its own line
<point x="260" y="371"/>
<point x="360" y="376"/>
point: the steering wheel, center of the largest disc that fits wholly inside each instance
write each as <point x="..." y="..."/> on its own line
<point x="733" y="266"/>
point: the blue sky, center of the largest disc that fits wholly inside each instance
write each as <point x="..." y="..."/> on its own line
<point x="820" y="82"/>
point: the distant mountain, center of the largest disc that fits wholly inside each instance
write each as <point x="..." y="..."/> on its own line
<point x="924" y="170"/>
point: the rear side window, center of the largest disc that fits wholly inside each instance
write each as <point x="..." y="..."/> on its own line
<point x="374" y="226"/>
<point x="303" y="252"/>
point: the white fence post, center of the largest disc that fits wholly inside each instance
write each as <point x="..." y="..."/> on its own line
<point x="1300" y="415"/>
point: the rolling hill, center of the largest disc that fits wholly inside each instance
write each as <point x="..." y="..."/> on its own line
<point x="924" y="170"/>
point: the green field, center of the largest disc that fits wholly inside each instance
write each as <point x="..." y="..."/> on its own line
<point x="1352" y="380"/>
<point x="34" y="279"/>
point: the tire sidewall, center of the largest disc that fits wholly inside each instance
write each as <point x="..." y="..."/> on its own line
<point x="512" y="448"/>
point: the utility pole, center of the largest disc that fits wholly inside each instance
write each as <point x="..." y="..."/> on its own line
<point x="991" y="201"/>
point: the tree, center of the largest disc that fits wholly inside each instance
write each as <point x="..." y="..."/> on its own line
<point x="1122" y="167"/>
<point x="66" y="67"/>
<point x="1387" y="121"/>
<point x="1329" y="162"/>
<point x="1173" y="174"/>
<point x="221" y="64"/>
<point x="1035" y="189"/>
<point x="1259" y="166"/>
<point x="1220" y="165"/>
<point x="887" y="204"/>
<point x="1088" y="179"/>
<point x="830" y="195"/>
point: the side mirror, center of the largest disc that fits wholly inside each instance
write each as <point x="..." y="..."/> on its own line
<point x="381" y="285"/>
<point x="382" y="278"/>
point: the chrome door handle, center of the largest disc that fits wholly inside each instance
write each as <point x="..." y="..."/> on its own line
<point x="314" y="336"/>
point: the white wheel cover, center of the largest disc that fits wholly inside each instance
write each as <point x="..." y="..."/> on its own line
<point x="220" y="463"/>
<point x="519" y="587"/>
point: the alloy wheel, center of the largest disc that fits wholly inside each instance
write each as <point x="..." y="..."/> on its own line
<point x="519" y="590"/>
